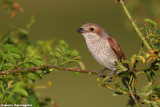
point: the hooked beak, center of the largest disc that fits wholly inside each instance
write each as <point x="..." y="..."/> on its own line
<point x="81" y="30"/>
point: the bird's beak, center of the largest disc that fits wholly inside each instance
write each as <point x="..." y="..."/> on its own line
<point x="81" y="30"/>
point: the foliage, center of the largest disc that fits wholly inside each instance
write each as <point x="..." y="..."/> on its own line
<point x="19" y="55"/>
<point x="149" y="95"/>
<point x="17" y="52"/>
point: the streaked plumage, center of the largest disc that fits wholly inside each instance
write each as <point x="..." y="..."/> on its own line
<point x="104" y="48"/>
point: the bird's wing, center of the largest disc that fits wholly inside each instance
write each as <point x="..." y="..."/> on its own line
<point x="115" y="47"/>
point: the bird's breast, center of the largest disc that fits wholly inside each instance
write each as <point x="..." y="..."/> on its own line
<point x="102" y="53"/>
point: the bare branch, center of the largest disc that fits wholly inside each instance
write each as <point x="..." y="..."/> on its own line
<point x="34" y="69"/>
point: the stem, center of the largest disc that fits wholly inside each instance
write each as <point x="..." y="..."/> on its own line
<point x="130" y="90"/>
<point x="3" y="94"/>
<point x="106" y="86"/>
<point x="135" y="26"/>
<point x="2" y="63"/>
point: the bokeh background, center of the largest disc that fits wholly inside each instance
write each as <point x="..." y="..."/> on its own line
<point x="59" y="19"/>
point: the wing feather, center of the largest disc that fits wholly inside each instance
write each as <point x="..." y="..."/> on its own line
<point x="115" y="47"/>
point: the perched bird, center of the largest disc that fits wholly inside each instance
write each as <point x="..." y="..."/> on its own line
<point x="104" y="48"/>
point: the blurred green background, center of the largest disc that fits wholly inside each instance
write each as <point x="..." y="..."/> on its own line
<point x="59" y="19"/>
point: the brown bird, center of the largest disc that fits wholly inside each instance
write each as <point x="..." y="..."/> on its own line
<point x="104" y="48"/>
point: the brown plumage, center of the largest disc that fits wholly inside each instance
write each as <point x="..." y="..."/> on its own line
<point x="116" y="48"/>
<point x="104" y="48"/>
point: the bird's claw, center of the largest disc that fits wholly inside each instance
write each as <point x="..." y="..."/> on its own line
<point x="101" y="73"/>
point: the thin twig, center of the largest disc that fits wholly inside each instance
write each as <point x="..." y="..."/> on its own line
<point x="135" y="25"/>
<point x="34" y="69"/>
<point x="130" y="90"/>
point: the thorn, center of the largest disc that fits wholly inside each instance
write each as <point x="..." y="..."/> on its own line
<point x="66" y="70"/>
<point x="130" y="19"/>
<point x="7" y="73"/>
<point x="89" y="73"/>
<point x="123" y="3"/>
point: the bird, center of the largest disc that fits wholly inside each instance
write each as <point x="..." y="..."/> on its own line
<point x="104" y="48"/>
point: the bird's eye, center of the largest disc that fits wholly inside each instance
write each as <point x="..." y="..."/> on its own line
<point x="91" y="28"/>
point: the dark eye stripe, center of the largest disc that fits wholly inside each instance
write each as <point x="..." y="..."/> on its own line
<point x="92" y="29"/>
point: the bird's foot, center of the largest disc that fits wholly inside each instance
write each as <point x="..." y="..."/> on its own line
<point x="101" y="73"/>
<point x="110" y="74"/>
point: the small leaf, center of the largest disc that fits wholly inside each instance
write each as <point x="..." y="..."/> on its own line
<point x="21" y="91"/>
<point x="142" y="58"/>
<point x="158" y="74"/>
<point x="2" y="53"/>
<point x="133" y="58"/>
<point x="125" y="74"/>
<point x="37" y="57"/>
<point x="82" y="65"/>
<point x="117" y="93"/>
<point x="72" y="53"/>
<point x="33" y="76"/>
<point x="11" y="100"/>
<point x="36" y="62"/>
<point x="77" y="58"/>
<point x="11" y="59"/>
<point x="76" y="73"/>
<point x="12" y="48"/>
<point x="32" y="100"/>
<point x="20" y="84"/>
<point x="23" y="31"/>
<point x="151" y="22"/>
<point x="14" y="55"/>
<point x="7" y="66"/>
<point x="122" y="67"/>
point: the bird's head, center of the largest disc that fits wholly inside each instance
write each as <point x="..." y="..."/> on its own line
<point x="92" y="31"/>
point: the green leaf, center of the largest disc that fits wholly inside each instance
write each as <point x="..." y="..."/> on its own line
<point x="62" y="42"/>
<point x="116" y="93"/>
<point x="11" y="100"/>
<point x="7" y="77"/>
<point x="125" y="74"/>
<point x="151" y="22"/>
<point x="11" y="59"/>
<point x="12" y="48"/>
<point x="122" y="67"/>
<point x="36" y="62"/>
<point x="20" y="84"/>
<point x="2" y="53"/>
<point x="21" y="91"/>
<point x="157" y="73"/>
<point x="23" y="31"/>
<point x="0" y="96"/>
<point x="7" y="66"/>
<point x="32" y="100"/>
<point x="37" y="57"/>
<point x="76" y="73"/>
<point x="33" y="76"/>
<point x="82" y="65"/>
<point x="14" y="55"/>
<point x="72" y="53"/>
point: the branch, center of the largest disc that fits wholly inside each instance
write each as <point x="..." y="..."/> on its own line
<point x="135" y="25"/>
<point x="33" y="69"/>
<point x="130" y="90"/>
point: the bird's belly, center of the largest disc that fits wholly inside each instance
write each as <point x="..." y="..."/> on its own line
<point x="104" y="56"/>
<point x="106" y="60"/>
